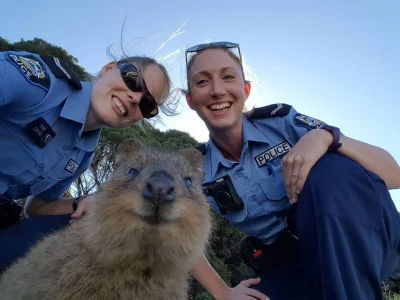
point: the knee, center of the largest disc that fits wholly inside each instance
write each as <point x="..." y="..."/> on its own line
<point x="338" y="186"/>
<point x="334" y="171"/>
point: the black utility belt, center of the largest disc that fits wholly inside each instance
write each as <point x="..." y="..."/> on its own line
<point x="264" y="258"/>
<point x="10" y="213"/>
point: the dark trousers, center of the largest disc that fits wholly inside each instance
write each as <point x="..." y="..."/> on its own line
<point x="17" y="239"/>
<point x="349" y="231"/>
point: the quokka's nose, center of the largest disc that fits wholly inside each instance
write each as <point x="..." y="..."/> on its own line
<point x="160" y="188"/>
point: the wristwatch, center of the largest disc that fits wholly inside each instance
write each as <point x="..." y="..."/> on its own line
<point x="336" y="137"/>
<point x="75" y="203"/>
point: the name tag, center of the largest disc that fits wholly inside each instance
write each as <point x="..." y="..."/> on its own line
<point x="272" y="153"/>
<point x="40" y="132"/>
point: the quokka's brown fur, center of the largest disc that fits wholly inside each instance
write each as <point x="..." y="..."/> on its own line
<point x="123" y="248"/>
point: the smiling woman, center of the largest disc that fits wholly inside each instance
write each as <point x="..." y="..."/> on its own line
<point x="50" y="124"/>
<point x="314" y="203"/>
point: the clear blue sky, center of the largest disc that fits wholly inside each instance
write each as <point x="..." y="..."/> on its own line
<point x="338" y="61"/>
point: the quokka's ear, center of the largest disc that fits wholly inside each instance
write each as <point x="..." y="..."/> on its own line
<point x="128" y="148"/>
<point x="194" y="157"/>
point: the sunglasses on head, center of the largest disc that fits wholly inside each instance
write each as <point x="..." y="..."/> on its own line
<point x="224" y="45"/>
<point x="147" y="105"/>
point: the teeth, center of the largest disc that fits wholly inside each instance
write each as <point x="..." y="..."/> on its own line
<point x="220" y="106"/>
<point x="119" y="105"/>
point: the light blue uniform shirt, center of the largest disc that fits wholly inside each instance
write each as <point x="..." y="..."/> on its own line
<point x="28" y="91"/>
<point x="258" y="176"/>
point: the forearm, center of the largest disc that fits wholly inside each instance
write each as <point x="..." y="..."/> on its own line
<point x="204" y="273"/>
<point x="374" y="159"/>
<point x="35" y="206"/>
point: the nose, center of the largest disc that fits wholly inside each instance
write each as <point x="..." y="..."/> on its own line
<point x="160" y="188"/>
<point x="217" y="89"/>
<point x="135" y="97"/>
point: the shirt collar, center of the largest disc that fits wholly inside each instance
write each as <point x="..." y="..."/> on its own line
<point x="250" y="134"/>
<point x="76" y="108"/>
<point x="77" y="105"/>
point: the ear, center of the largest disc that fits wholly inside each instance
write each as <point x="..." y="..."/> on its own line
<point x="128" y="148"/>
<point x="189" y="100"/>
<point x="247" y="88"/>
<point x="107" y="68"/>
<point x="194" y="157"/>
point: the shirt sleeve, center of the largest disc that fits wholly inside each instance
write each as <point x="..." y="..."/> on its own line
<point x="298" y="125"/>
<point x="17" y="89"/>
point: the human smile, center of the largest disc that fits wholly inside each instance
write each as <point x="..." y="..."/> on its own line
<point x="220" y="106"/>
<point x="119" y="105"/>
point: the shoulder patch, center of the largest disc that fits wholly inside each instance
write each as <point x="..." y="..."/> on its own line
<point x="202" y="148"/>
<point x="61" y="70"/>
<point x="269" y="111"/>
<point x="32" y="69"/>
<point x="301" y="120"/>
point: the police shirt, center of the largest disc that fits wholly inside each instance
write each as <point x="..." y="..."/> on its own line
<point x="268" y="135"/>
<point x="43" y="109"/>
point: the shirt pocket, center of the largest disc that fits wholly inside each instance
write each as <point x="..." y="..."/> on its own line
<point x="273" y="192"/>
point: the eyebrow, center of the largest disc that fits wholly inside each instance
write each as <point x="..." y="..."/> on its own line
<point x="205" y="72"/>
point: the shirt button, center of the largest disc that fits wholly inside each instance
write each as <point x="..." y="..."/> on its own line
<point x="66" y="148"/>
<point x="240" y="174"/>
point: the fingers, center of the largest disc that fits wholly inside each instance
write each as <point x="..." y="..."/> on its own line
<point x="287" y="169"/>
<point x="301" y="179"/>
<point x="297" y="163"/>
<point x="250" y="282"/>
<point x="252" y="292"/>
<point x="256" y="294"/>
<point x="292" y="163"/>
<point x="79" y="211"/>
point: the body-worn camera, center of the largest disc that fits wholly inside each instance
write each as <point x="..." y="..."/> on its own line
<point x="224" y="194"/>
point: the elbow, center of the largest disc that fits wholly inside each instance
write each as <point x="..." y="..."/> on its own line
<point x="30" y="206"/>
<point x="394" y="182"/>
<point x="397" y="179"/>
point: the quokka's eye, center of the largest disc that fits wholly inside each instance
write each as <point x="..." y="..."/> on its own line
<point x="133" y="172"/>
<point x="188" y="181"/>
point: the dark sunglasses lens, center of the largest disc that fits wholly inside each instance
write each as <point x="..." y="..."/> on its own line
<point x="130" y="76"/>
<point x="148" y="106"/>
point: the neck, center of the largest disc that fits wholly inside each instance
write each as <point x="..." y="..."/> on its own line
<point x="92" y="122"/>
<point x="229" y="142"/>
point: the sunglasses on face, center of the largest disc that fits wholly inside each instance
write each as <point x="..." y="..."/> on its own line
<point x="224" y="45"/>
<point x="147" y="105"/>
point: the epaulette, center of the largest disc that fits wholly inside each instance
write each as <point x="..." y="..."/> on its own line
<point x="202" y="148"/>
<point x="273" y="110"/>
<point x="61" y="70"/>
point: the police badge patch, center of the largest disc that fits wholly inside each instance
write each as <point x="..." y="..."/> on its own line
<point x="307" y="122"/>
<point x="32" y="69"/>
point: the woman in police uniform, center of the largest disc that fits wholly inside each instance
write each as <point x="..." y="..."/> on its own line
<point x="315" y="203"/>
<point x="50" y="125"/>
